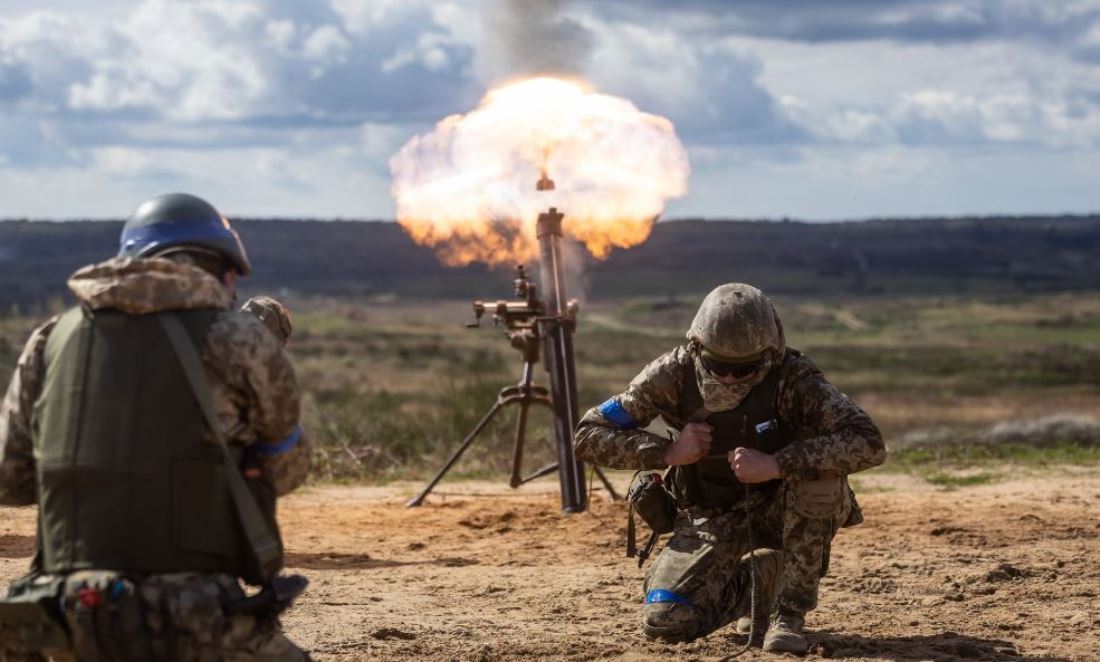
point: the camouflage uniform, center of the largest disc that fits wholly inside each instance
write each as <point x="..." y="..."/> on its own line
<point x="833" y="437"/>
<point x="272" y="313"/>
<point x="276" y="318"/>
<point x="256" y="398"/>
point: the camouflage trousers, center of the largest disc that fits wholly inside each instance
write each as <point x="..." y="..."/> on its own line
<point x="163" y="617"/>
<point x="701" y="580"/>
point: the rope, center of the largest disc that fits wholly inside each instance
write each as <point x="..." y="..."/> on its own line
<point x="754" y="597"/>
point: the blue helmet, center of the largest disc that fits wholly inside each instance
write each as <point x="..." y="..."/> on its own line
<point x="179" y="219"/>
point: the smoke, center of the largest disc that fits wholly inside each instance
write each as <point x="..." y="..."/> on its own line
<point x="574" y="260"/>
<point x="528" y="37"/>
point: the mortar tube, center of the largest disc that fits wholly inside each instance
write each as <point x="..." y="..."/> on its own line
<point x="559" y="362"/>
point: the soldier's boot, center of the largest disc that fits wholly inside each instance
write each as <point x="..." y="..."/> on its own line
<point x="785" y="634"/>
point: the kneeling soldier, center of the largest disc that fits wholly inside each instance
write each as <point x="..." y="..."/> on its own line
<point x="761" y="431"/>
<point x="129" y="420"/>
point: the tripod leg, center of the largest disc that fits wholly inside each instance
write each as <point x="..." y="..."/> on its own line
<point x="607" y="484"/>
<point x="419" y="499"/>
<point x="543" y="471"/>
<point x="517" y="451"/>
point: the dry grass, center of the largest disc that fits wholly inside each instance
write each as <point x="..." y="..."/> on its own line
<point x="390" y="387"/>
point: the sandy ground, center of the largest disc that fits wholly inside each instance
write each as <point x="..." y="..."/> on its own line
<point x="998" y="572"/>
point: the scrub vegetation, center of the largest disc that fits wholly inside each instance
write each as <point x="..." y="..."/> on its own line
<point x="961" y="387"/>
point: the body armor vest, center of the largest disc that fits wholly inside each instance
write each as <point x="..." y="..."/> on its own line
<point x="126" y="481"/>
<point x="754" y="423"/>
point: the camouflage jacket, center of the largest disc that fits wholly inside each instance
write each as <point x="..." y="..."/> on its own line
<point x="832" y="434"/>
<point x="253" y="384"/>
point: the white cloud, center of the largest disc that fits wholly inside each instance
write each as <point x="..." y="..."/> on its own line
<point x="211" y="60"/>
<point x="326" y="46"/>
<point x="263" y="100"/>
<point x="429" y="50"/>
<point x="710" y="90"/>
<point x="363" y="16"/>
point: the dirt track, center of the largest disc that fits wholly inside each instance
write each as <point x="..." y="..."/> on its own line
<point x="1008" y="571"/>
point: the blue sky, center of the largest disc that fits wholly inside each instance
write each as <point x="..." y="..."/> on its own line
<point x="802" y="108"/>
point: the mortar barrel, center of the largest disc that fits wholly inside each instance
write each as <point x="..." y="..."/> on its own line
<point x="559" y="362"/>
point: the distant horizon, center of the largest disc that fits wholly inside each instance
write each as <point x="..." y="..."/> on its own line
<point x="676" y="219"/>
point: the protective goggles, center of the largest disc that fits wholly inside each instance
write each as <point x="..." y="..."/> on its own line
<point x="735" y="370"/>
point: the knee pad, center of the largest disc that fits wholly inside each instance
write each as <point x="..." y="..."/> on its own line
<point x="669" y="617"/>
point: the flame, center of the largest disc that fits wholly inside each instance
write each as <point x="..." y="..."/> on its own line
<point x="467" y="189"/>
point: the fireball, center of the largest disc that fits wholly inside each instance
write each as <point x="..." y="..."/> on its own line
<point x="467" y="189"/>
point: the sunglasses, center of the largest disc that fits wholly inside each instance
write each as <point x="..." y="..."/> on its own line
<point x="735" y="370"/>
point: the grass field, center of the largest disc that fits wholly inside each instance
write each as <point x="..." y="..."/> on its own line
<point x="391" y="386"/>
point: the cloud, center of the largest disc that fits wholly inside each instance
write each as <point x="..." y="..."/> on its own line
<point x="925" y="21"/>
<point x="215" y="61"/>
<point x="712" y="91"/>
<point x="197" y="67"/>
<point x="29" y="142"/>
<point x="15" y="80"/>
<point x="953" y="120"/>
<point x="278" y="95"/>
<point x="221" y="75"/>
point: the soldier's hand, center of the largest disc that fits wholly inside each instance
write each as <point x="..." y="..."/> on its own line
<point x="753" y="466"/>
<point x="692" y="445"/>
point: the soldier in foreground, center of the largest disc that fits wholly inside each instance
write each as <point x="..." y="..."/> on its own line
<point x="751" y="412"/>
<point x="128" y="420"/>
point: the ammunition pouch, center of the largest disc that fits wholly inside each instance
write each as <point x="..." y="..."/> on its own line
<point x="855" y="515"/>
<point x="648" y="498"/>
<point x="94" y="615"/>
<point x="106" y="617"/>
<point x="31" y="620"/>
<point x="817" y="499"/>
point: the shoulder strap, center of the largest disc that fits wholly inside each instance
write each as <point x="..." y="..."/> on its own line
<point x="264" y="545"/>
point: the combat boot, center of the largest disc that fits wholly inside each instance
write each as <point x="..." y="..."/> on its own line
<point x="785" y="634"/>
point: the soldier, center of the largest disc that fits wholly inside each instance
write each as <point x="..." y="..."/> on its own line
<point x="758" y="423"/>
<point x="128" y="420"/>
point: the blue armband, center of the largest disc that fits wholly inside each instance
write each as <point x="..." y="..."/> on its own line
<point x="617" y="415"/>
<point x="657" y="595"/>
<point x="279" y="447"/>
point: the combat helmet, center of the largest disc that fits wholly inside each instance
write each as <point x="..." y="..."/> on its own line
<point x="736" y="323"/>
<point x="272" y="313"/>
<point x="180" y="219"/>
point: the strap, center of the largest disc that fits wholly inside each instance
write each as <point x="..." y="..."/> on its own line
<point x="647" y="549"/>
<point x="631" y="534"/>
<point x="265" y="546"/>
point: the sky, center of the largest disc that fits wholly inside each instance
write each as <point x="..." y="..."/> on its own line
<point x="805" y="109"/>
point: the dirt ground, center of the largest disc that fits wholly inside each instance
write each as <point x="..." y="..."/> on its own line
<point x="995" y="572"/>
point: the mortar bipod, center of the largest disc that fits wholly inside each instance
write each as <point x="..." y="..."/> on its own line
<point x="524" y="394"/>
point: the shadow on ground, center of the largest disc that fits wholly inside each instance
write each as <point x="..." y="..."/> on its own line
<point x="946" y="646"/>
<point x="14" y="547"/>
<point x="343" y="561"/>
